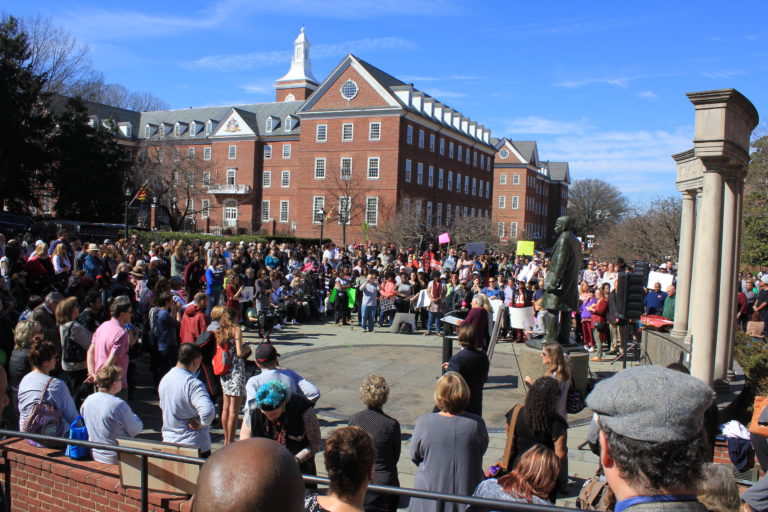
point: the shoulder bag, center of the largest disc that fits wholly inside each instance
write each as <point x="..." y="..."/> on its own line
<point x="574" y="403"/>
<point x="72" y="352"/>
<point x="502" y="468"/>
<point x="596" y="495"/>
<point x="45" y="418"/>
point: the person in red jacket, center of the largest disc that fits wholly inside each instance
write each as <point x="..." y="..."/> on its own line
<point x="194" y="321"/>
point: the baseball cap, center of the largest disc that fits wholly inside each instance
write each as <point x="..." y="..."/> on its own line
<point x="265" y="352"/>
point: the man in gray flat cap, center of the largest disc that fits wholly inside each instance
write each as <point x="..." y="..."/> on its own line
<point x="652" y="444"/>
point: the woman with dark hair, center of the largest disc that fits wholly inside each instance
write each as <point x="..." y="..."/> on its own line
<point x="531" y="481"/>
<point x="539" y="423"/>
<point x="38" y="386"/>
<point x="349" y="464"/>
<point x="72" y="332"/>
<point x="385" y="434"/>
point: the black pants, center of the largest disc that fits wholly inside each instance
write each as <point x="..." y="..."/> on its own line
<point x="341" y="307"/>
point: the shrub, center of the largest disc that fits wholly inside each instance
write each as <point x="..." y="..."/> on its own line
<point x="752" y="356"/>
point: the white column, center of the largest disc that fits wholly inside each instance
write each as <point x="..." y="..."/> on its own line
<point x="685" y="264"/>
<point x="737" y="244"/>
<point x="703" y="319"/>
<point x="726" y="310"/>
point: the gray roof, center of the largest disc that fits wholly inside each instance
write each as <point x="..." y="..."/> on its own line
<point x="558" y="171"/>
<point x="527" y="148"/>
<point x="58" y="103"/>
<point x="255" y="115"/>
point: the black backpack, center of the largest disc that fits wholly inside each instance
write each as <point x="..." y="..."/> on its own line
<point x="71" y="351"/>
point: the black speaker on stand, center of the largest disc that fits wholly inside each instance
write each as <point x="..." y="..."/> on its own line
<point x="630" y="293"/>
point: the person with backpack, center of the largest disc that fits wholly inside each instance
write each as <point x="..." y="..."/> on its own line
<point x="165" y="329"/>
<point x="75" y="340"/>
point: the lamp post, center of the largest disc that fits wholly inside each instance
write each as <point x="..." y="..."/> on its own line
<point x="127" y="193"/>
<point x="320" y="215"/>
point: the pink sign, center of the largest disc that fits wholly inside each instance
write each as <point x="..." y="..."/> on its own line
<point x="445" y="238"/>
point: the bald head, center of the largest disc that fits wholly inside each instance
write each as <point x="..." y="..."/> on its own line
<point x="252" y="475"/>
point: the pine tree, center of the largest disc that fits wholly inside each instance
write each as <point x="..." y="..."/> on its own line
<point x="89" y="168"/>
<point x="754" y="243"/>
<point x="25" y="124"/>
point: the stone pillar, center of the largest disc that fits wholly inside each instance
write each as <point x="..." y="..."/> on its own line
<point x="707" y="287"/>
<point x="730" y="374"/>
<point x="685" y="264"/>
<point x="726" y="310"/>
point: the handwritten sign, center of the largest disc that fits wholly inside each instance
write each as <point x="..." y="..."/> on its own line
<point x="525" y="248"/>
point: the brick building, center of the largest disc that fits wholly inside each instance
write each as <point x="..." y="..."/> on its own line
<point x="528" y="194"/>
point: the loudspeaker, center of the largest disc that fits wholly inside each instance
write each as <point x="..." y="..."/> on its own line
<point x="630" y="294"/>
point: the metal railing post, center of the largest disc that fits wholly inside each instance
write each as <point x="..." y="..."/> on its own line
<point x="144" y="483"/>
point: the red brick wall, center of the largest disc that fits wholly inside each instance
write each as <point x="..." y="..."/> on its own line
<point x="366" y="95"/>
<point x="43" y="479"/>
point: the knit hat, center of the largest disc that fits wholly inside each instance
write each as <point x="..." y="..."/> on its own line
<point x="651" y="403"/>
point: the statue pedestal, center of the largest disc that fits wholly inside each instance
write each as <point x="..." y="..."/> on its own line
<point x="531" y="365"/>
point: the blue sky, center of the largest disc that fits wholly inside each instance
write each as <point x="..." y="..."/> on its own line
<point x="598" y="84"/>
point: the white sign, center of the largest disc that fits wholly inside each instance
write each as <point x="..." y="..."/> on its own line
<point x="659" y="277"/>
<point x="521" y="318"/>
<point x="475" y="248"/>
<point x="246" y="294"/>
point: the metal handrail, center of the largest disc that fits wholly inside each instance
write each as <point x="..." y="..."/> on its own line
<point x="440" y="497"/>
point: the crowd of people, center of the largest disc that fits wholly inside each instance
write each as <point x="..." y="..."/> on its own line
<point x="75" y="319"/>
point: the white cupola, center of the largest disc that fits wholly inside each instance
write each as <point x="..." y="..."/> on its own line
<point x="299" y="82"/>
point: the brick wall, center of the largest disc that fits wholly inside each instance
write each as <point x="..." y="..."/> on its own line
<point x="43" y="479"/>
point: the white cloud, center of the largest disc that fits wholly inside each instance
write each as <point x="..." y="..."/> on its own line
<point x="442" y="93"/>
<point x="539" y="125"/>
<point x="648" y="95"/>
<point x="239" y="62"/>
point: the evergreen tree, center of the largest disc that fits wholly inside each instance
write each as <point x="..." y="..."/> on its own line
<point x="754" y="243"/>
<point x="89" y="168"/>
<point x="25" y="124"/>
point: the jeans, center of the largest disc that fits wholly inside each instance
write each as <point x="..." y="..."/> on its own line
<point x="433" y="319"/>
<point x="368" y="314"/>
<point x="388" y="315"/>
<point x="213" y="300"/>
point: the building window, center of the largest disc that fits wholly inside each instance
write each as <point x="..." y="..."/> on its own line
<point x="285" y="179"/>
<point x="466" y="157"/>
<point x="487" y="189"/>
<point x="421" y="138"/>
<point x="473" y="213"/>
<point x="482" y="160"/>
<point x="161" y="130"/>
<point x="232" y="152"/>
<point x="450" y="149"/>
<point x="431" y="141"/>
<point x="440" y="174"/>
<point x="283" y="211"/>
<point x="442" y="146"/>
<point x="231" y="176"/>
<point x="474" y="158"/>
<point x="321" y="133"/>
<point x="409" y="134"/>
<point x="208" y="127"/>
<point x="175" y="154"/>
<point x="503" y="179"/>
<point x="500" y="229"/>
<point x="439" y="214"/>
<point x="349" y="90"/>
<point x="267" y="151"/>
<point x="319" y="168"/>
<point x="419" y="173"/>
<point x="429" y="213"/>
<point x="474" y="186"/>
<point x="346" y="168"/>
<point x="448" y="211"/>
<point x="431" y="176"/>
<point x="230" y="213"/>
<point x="266" y="180"/>
<point x="318" y="205"/>
<point x="504" y="153"/>
<point x="191" y="179"/>
<point x="373" y="168"/>
<point x="191" y="153"/>
<point x="205" y="208"/>
<point x="160" y="155"/>
<point x="147" y="131"/>
<point x="515" y="179"/>
<point x="513" y="229"/>
<point x="347" y="132"/>
<point x="502" y="202"/>
<point x="206" y="178"/>
<point x="459" y="151"/>
<point x="408" y="171"/>
<point x="466" y="184"/>
<point x="177" y="130"/>
<point x="450" y="181"/>
<point x="207" y="153"/>
<point x="286" y="151"/>
<point x="288" y="123"/>
<point x="268" y="127"/>
<point x="458" y="182"/>
<point x="372" y="210"/>
<point x="374" y="131"/>
<point x="265" y="211"/>
<point x="345" y="207"/>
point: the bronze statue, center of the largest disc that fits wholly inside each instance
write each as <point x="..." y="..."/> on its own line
<point x="561" y="286"/>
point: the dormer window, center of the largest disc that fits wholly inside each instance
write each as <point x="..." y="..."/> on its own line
<point x="288" y="123"/>
<point x="208" y="127"/>
<point x="177" y="130"/>
<point x="125" y="129"/>
<point x="147" y="131"/>
<point x="272" y="123"/>
<point x="93" y="121"/>
<point x="192" y="129"/>
<point x="161" y="130"/>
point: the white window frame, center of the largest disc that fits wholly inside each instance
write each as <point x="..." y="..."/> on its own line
<point x="513" y="230"/>
<point x="205" y="208"/>
<point x="500" y="228"/>
<point x="372" y="210"/>
<point x="267" y="151"/>
<point x="191" y="153"/>
<point x="207" y="153"/>
<point x="502" y="179"/>
<point x="177" y="130"/>
<point x="232" y="176"/>
<point x="431" y="176"/>
<point x="208" y="127"/>
<point x="515" y="179"/>
<point x="502" y="202"/>
<point x="318" y="203"/>
<point x="147" y="131"/>
<point x="429" y="213"/>
<point x="320" y="168"/>
<point x="408" y="170"/>
<point x="347" y="132"/>
<point x="287" y="150"/>
<point x="374" y="130"/>
<point x="439" y="217"/>
<point x="419" y="173"/>
<point x="265" y="210"/>
<point x="266" y="179"/>
<point x="206" y="178"/>
<point x="345" y="171"/>
<point x="269" y="124"/>
<point x="374" y="167"/>
<point x="284" y="210"/>
<point x="440" y="178"/>
<point x="466" y="156"/>
<point x="227" y="210"/>
<point x="321" y="133"/>
<point x="288" y="123"/>
<point x="232" y="152"/>
<point x="285" y="179"/>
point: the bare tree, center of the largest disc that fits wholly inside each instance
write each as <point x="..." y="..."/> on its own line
<point x="648" y="233"/>
<point x="596" y="205"/>
<point x="172" y="179"/>
<point x="405" y="227"/>
<point x="347" y="191"/>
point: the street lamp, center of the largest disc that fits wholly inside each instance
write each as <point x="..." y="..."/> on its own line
<point x="127" y="193"/>
<point x="320" y="216"/>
